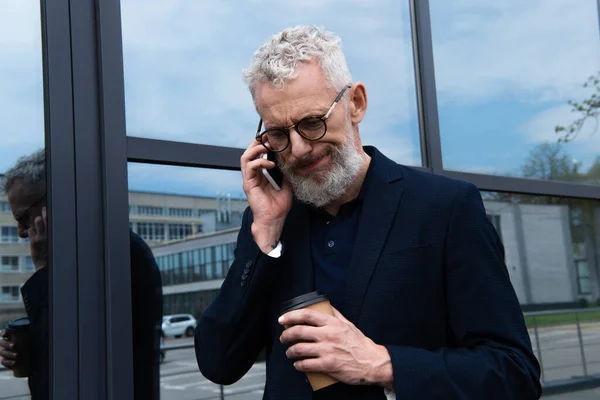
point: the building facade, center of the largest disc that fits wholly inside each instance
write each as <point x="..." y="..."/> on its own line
<point x="158" y="218"/>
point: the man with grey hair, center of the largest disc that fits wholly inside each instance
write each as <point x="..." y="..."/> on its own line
<point x="422" y="303"/>
<point x="25" y="187"/>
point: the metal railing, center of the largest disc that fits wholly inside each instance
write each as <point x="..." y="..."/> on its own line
<point x="566" y="343"/>
<point x="222" y="394"/>
<point x="567" y="347"/>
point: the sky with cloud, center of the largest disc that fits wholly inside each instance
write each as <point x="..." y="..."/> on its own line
<point x="504" y="72"/>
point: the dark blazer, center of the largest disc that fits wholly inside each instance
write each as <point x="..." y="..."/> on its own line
<point x="427" y="280"/>
<point x="146" y="290"/>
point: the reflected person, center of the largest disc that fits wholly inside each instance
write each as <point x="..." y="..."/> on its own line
<point x="423" y="307"/>
<point x="25" y="186"/>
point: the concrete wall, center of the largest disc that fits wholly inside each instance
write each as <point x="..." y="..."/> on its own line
<point x="508" y="228"/>
<point x="538" y="251"/>
<point x="549" y="253"/>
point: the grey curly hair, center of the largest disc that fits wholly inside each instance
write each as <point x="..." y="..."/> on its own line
<point x="275" y="61"/>
<point x="31" y="170"/>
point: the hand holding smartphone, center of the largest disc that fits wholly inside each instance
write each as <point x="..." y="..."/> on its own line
<point x="273" y="175"/>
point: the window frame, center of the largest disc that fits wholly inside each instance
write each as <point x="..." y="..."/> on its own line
<point x="89" y="226"/>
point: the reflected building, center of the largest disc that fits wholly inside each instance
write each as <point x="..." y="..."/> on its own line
<point x="552" y="251"/>
<point x="194" y="269"/>
<point x="550" y="258"/>
<point x="159" y="218"/>
<point x="549" y="264"/>
<point x="192" y="239"/>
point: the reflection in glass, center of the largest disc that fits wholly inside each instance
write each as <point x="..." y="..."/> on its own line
<point x="518" y="86"/>
<point x="201" y="211"/>
<point x="552" y="246"/>
<point x="23" y="216"/>
<point x="183" y="67"/>
<point x="552" y="252"/>
<point x="24" y="347"/>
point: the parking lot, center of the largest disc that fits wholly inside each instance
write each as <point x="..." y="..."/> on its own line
<point x="181" y="380"/>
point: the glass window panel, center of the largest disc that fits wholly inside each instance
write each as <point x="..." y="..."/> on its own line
<point x="551" y="262"/>
<point x="5" y="207"/>
<point x="182" y="259"/>
<point x="505" y="74"/>
<point x="585" y="287"/>
<point x="180" y="82"/>
<point x="22" y="172"/>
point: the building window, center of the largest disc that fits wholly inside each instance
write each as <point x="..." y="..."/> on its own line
<point x="495" y="220"/>
<point x="154" y="232"/>
<point x="149" y="210"/>
<point x="9" y="294"/>
<point x="9" y="234"/>
<point x="158" y="232"/>
<point x="583" y="277"/>
<point x="181" y="212"/>
<point x="179" y="231"/>
<point x="29" y="266"/>
<point x="5" y="207"/>
<point x="9" y="263"/>
<point x="142" y="230"/>
<point x="202" y="264"/>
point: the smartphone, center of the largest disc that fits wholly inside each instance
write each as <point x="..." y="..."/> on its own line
<point x="273" y="175"/>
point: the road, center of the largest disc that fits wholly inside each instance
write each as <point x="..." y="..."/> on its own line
<point x="181" y="380"/>
<point x="561" y="357"/>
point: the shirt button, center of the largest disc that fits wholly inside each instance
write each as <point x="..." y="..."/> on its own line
<point x="331" y="243"/>
<point x="248" y="264"/>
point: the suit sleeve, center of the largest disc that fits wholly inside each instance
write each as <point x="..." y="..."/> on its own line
<point x="493" y="358"/>
<point x="234" y="328"/>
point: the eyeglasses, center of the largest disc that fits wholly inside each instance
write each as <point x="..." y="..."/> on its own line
<point x="311" y="128"/>
<point x="23" y="218"/>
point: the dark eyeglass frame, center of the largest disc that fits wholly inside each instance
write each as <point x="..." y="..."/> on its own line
<point x="323" y="118"/>
<point x="19" y="217"/>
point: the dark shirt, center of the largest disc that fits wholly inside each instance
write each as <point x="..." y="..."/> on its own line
<point x="331" y="244"/>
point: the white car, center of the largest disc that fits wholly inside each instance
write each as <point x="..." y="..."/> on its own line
<point x="178" y="325"/>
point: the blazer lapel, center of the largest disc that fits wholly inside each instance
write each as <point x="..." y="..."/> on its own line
<point x="380" y="203"/>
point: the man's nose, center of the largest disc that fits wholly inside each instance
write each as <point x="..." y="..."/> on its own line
<point x="300" y="146"/>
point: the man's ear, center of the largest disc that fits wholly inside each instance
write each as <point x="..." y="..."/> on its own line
<point x="358" y="102"/>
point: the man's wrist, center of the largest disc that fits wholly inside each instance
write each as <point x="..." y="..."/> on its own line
<point x="266" y="237"/>
<point x="382" y="373"/>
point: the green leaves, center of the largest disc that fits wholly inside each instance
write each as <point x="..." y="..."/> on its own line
<point x="588" y="108"/>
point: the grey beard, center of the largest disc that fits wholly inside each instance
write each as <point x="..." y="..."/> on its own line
<point x="345" y="166"/>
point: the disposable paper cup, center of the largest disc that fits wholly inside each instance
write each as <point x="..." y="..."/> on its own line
<point x="17" y="331"/>
<point x="313" y="301"/>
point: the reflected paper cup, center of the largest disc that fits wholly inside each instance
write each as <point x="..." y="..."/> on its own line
<point x="18" y="332"/>
<point x="313" y="301"/>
